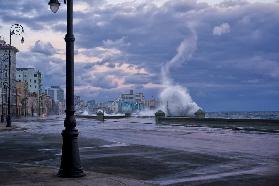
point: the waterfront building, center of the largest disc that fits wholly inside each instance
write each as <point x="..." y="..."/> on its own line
<point x="131" y="97"/>
<point x="107" y="106"/>
<point x="91" y="105"/>
<point x="61" y="107"/>
<point x="21" y="98"/>
<point x="151" y="104"/>
<point x="45" y="105"/>
<point x="80" y="105"/>
<point x="34" y="80"/>
<point x="56" y="93"/>
<point x="4" y="74"/>
<point x="115" y="106"/>
<point x="32" y="105"/>
<point x="33" y="77"/>
<point x="130" y="102"/>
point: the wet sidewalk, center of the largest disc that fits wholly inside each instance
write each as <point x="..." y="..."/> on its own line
<point x="23" y="174"/>
<point x="135" y="152"/>
<point x="4" y="128"/>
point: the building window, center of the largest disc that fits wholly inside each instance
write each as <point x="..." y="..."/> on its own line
<point x="35" y="86"/>
<point x="35" y="81"/>
<point x="35" y="75"/>
<point x="30" y="86"/>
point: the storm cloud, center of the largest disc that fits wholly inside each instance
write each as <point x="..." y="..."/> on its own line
<point x="121" y="46"/>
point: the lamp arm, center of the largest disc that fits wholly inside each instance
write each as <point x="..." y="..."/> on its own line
<point x="16" y="29"/>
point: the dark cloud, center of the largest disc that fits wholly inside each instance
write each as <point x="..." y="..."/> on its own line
<point x="43" y="48"/>
<point x="241" y="56"/>
<point x="232" y="3"/>
<point x="139" y="79"/>
<point x="34" y="15"/>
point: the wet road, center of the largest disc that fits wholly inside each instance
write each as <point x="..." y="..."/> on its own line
<point x="165" y="155"/>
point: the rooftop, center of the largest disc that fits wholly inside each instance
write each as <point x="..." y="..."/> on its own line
<point x="5" y="46"/>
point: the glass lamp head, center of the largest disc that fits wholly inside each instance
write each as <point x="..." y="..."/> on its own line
<point x="54" y="5"/>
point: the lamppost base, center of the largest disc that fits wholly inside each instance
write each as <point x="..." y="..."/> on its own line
<point x="9" y="122"/>
<point x="2" y="118"/>
<point x="71" y="174"/>
<point x="70" y="161"/>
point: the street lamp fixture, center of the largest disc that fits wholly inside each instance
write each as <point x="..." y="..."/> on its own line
<point x="22" y="40"/>
<point x="70" y="166"/>
<point x="54" y="5"/>
<point x="16" y="29"/>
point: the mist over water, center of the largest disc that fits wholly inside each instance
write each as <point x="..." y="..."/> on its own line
<point x="175" y="99"/>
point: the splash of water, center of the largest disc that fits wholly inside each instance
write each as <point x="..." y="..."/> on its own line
<point x="145" y="112"/>
<point x="85" y="113"/>
<point x="175" y="99"/>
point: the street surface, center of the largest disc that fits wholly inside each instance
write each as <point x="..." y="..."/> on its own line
<point x="137" y="150"/>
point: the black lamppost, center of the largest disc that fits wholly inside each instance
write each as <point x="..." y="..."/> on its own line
<point x="6" y="87"/>
<point x="70" y="159"/>
<point x="16" y="29"/>
<point x="4" y="70"/>
<point x="39" y="104"/>
<point x="25" y="107"/>
<point x="2" y="106"/>
<point x="2" y="96"/>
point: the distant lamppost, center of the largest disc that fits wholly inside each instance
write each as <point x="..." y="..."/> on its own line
<point x="2" y="106"/>
<point x="6" y="87"/>
<point x="70" y="159"/>
<point x="16" y="29"/>
<point x="25" y="105"/>
<point x="40" y="100"/>
<point x="3" y="70"/>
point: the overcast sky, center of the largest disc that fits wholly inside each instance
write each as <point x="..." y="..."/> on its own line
<point x="123" y="44"/>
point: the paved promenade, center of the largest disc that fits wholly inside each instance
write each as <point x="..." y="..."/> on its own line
<point x="137" y="152"/>
<point x="30" y="175"/>
<point x="28" y="160"/>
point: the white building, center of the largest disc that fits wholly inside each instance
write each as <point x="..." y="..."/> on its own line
<point x="130" y="102"/>
<point x="56" y="93"/>
<point x="4" y="71"/>
<point x="132" y="98"/>
<point x="32" y="77"/>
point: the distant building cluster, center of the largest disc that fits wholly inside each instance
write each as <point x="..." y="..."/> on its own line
<point x="28" y="95"/>
<point x="56" y="93"/>
<point x="126" y="103"/>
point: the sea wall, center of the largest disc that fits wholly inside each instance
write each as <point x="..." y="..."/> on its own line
<point x="247" y="124"/>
